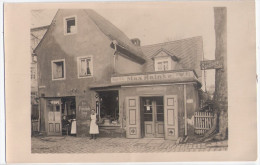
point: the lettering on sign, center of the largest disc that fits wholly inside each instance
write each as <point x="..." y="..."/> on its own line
<point x="84" y="109"/>
<point x="153" y="77"/>
<point x="211" y="64"/>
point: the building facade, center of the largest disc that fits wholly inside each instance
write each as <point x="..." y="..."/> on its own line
<point x="85" y="62"/>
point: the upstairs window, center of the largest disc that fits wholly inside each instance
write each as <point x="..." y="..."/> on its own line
<point x="85" y="67"/>
<point x="70" y="25"/>
<point x="33" y="73"/>
<point x="58" y="69"/>
<point x="162" y="65"/>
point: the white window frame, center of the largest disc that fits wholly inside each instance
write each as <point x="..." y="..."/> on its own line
<point x="162" y="60"/>
<point x="65" y="25"/>
<point x="64" y="69"/>
<point x="91" y="66"/>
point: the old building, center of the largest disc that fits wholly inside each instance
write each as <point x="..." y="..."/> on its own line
<point x="85" y="62"/>
<point x="36" y="36"/>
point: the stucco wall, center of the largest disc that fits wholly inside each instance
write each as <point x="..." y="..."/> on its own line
<point x="88" y="40"/>
<point x="124" y="66"/>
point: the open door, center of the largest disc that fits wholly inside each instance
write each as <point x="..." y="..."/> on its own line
<point x="54" y="117"/>
<point x="171" y="117"/>
<point x="133" y="126"/>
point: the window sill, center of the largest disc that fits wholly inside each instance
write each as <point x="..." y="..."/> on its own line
<point x="85" y="77"/>
<point x="59" y="79"/>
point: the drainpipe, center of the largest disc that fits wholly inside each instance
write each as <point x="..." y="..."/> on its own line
<point x="185" y="111"/>
<point x="115" y="44"/>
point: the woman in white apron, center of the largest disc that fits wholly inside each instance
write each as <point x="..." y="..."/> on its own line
<point x="93" y="131"/>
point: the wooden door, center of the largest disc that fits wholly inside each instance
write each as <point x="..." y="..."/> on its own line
<point x="133" y="126"/>
<point x="159" y="116"/>
<point x="171" y="117"/>
<point x="153" y="113"/>
<point x="54" y="117"/>
<point x="148" y="113"/>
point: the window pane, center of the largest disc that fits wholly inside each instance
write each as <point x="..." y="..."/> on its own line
<point x="88" y="67"/>
<point x="58" y="70"/>
<point x="159" y="66"/>
<point x="85" y="67"/>
<point x="148" y="117"/>
<point x="160" y="109"/>
<point x="165" y="65"/>
<point x="71" y="25"/>
<point x="160" y="117"/>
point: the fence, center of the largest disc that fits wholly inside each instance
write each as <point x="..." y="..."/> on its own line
<point x="203" y="121"/>
<point x="35" y="126"/>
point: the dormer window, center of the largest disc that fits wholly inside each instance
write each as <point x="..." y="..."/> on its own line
<point x="163" y="65"/>
<point x="164" y="60"/>
<point x="70" y="25"/>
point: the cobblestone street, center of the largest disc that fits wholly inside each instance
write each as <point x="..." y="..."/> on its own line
<point x="70" y="144"/>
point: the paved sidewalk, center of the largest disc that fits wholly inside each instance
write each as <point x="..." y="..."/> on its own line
<point x="68" y="144"/>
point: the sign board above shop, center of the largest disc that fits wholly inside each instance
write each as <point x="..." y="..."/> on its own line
<point x="166" y="76"/>
<point x="211" y="64"/>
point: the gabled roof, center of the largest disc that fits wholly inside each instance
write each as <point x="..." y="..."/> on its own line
<point x="175" y="58"/>
<point x="188" y="51"/>
<point x="114" y="34"/>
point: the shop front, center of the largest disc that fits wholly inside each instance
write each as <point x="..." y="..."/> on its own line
<point x="151" y="105"/>
<point x="145" y="105"/>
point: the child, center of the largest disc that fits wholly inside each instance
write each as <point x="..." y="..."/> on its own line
<point x="93" y="131"/>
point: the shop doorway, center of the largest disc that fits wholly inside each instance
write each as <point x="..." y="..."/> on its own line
<point x="109" y="107"/>
<point x="68" y="112"/>
<point x="152" y="117"/>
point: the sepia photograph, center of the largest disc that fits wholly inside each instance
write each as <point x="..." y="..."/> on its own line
<point x="95" y="90"/>
<point x="130" y="82"/>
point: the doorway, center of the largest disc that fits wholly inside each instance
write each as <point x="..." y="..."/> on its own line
<point x="152" y="117"/>
<point x="68" y="112"/>
<point x="54" y="116"/>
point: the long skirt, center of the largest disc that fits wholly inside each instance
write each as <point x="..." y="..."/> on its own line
<point x="93" y="127"/>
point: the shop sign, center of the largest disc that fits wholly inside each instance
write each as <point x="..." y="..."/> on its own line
<point x="153" y="77"/>
<point x="211" y="64"/>
<point x="84" y="109"/>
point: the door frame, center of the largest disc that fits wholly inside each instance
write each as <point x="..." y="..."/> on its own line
<point x="154" y="113"/>
<point x="47" y="117"/>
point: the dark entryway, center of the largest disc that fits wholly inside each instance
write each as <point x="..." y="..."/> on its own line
<point x="109" y="106"/>
<point x="68" y="112"/>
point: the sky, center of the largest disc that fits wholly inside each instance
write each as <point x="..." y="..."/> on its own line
<point x="156" y="25"/>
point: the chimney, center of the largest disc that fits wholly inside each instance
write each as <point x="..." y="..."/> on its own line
<point x="136" y="41"/>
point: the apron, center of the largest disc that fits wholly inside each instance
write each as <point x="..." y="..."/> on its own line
<point x="73" y="127"/>
<point x="93" y="126"/>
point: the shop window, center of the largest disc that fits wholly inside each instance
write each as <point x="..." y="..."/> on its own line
<point x="58" y="69"/>
<point x="85" y="67"/>
<point x="70" y="25"/>
<point x="109" y="107"/>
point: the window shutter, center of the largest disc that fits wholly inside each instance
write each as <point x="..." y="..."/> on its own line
<point x="171" y="117"/>
<point x="133" y="127"/>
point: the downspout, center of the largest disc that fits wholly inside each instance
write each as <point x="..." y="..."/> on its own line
<point x="115" y="44"/>
<point x="185" y="111"/>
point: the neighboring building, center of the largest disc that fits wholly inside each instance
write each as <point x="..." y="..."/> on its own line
<point x="36" y="36"/>
<point x="85" y="62"/>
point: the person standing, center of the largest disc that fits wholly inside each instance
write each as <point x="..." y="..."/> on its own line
<point x="93" y="131"/>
